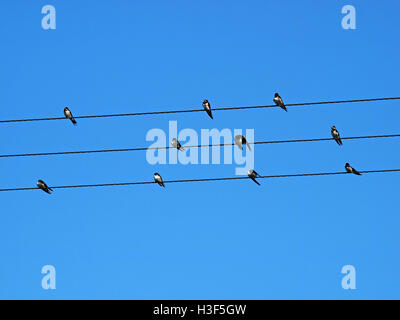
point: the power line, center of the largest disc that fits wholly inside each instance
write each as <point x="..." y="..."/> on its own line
<point x="200" y="110"/>
<point x="190" y="146"/>
<point x="204" y="180"/>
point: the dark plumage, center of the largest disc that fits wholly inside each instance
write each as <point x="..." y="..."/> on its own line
<point x="68" y="115"/>
<point x="336" y="135"/>
<point x="240" y="140"/>
<point x="207" y="107"/>
<point x="176" y="144"/>
<point x="279" y="102"/>
<point x="159" y="180"/>
<point x="253" y="175"/>
<point x="43" y="186"/>
<point x="350" y="169"/>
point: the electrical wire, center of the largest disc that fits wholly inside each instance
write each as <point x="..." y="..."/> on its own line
<point x="204" y="180"/>
<point x="201" y="110"/>
<point x="191" y="146"/>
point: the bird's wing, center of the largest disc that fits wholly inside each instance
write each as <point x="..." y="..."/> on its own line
<point x="248" y="145"/>
<point x="238" y="141"/>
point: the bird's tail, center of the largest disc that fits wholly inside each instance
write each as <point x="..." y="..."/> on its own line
<point x="209" y="112"/>
<point x="248" y="145"/>
<point x="356" y="172"/>
<point x="74" y="121"/>
<point x="256" y="181"/>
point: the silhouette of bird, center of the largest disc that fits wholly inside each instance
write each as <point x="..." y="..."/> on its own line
<point x="158" y="179"/>
<point x="240" y="140"/>
<point x="350" y="169"/>
<point x="176" y="144"/>
<point x="279" y="102"/>
<point x="207" y="107"/>
<point x="43" y="186"/>
<point x="336" y="135"/>
<point x="68" y="115"/>
<point x="253" y="175"/>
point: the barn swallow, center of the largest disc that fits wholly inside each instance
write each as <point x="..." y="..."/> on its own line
<point x="42" y="185"/>
<point x="207" y="107"/>
<point x="336" y="135"/>
<point x="158" y="179"/>
<point x="176" y="144"/>
<point x="253" y="175"/>
<point x="279" y="102"/>
<point x="240" y="140"/>
<point x="350" y="169"/>
<point x="68" y="115"/>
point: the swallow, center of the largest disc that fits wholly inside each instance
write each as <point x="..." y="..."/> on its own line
<point x="176" y="144"/>
<point x="43" y="186"/>
<point x="159" y="180"/>
<point x="240" y="140"/>
<point x="207" y="107"/>
<point x="350" y="169"/>
<point x="253" y="175"/>
<point x="279" y="102"/>
<point x="336" y="135"/>
<point x="68" y="115"/>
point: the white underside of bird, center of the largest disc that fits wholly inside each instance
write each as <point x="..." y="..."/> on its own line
<point x="278" y="101"/>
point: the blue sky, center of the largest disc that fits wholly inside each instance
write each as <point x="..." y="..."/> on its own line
<point x="287" y="239"/>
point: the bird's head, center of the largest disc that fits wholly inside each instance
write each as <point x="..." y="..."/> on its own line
<point x="276" y="94"/>
<point x="333" y="128"/>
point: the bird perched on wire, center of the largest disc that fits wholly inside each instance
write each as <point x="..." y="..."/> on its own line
<point x="336" y="135"/>
<point x="207" y="107"/>
<point x="240" y="140"/>
<point x="43" y="186"/>
<point x="158" y="179"/>
<point x="68" y="115"/>
<point x="176" y="144"/>
<point x="350" y="169"/>
<point x="253" y="175"/>
<point x="279" y="102"/>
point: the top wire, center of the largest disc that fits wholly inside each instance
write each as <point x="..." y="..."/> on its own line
<point x="201" y="110"/>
